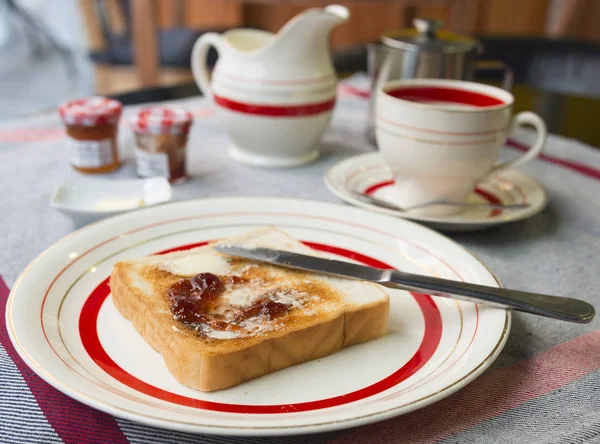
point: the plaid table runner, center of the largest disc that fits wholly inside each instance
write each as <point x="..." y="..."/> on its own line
<point x="544" y="388"/>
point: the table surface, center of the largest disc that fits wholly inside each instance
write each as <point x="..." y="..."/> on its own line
<point x="544" y="387"/>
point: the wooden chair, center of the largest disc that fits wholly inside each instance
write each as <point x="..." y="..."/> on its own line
<point x="134" y="31"/>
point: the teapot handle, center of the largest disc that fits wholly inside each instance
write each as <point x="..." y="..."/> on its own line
<point x="497" y="65"/>
<point x="199" y="67"/>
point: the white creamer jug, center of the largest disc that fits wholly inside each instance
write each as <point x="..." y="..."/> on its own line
<point x="274" y="93"/>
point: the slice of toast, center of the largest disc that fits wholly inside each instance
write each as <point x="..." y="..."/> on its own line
<point x="321" y="314"/>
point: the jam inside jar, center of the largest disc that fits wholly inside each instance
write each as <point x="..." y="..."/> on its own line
<point x="92" y="126"/>
<point x="161" y="135"/>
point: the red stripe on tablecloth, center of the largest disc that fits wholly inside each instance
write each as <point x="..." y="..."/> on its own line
<point x="308" y="109"/>
<point x="354" y="91"/>
<point x="74" y="423"/>
<point x="30" y="135"/>
<point x="586" y="170"/>
<point x="203" y="112"/>
<point x="488" y="396"/>
<point x="23" y="135"/>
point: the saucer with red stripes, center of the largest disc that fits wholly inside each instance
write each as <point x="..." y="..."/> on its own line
<point x="368" y="174"/>
<point x="62" y="321"/>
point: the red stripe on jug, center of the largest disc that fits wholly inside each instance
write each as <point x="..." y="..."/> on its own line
<point x="308" y="109"/>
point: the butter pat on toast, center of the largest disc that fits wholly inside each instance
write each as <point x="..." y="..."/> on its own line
<point x="219" y="321"/>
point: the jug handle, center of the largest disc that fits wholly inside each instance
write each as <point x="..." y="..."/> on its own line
<point x="199" y="67"/>
<point x="497" y="65"/>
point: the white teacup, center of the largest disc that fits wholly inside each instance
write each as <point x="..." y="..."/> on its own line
<point x="440" y="137"/>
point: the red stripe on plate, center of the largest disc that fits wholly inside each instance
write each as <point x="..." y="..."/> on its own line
<point x="431" y="338"/>
<point x="163" y="223"/>
<point x="378" y="186"/>
<point x="491" y="198"/>
<point x="309" y="109"/>
<point x="73" y="422"/>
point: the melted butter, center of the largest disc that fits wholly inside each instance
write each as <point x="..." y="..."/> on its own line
<point x="119" y="204"/>
<point x="192" y="264"/>
<point x="221" y="334"/>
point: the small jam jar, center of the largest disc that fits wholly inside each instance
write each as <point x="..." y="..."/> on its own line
<point x="161" y="135"/>
<point x="92" y="126"/>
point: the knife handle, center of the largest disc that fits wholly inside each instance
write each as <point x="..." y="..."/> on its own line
<point x="556" y="307"/>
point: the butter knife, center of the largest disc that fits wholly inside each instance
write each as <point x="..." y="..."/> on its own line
<point x="556" y="307"/>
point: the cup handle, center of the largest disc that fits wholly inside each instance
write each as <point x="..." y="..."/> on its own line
<point x="199" y="66"/>
<point x="497" y="65"/>
<point x="525" y="118"/>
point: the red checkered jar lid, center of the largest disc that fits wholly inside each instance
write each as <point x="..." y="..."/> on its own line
<point x="161" y="120"/>
<point x="91" y="111"/>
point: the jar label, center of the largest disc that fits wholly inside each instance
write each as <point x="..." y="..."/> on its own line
<point x="91" y="153"/>
<point x="152" y="164"/>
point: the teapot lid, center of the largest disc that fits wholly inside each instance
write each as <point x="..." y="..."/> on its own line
<point x="427" y="37"/>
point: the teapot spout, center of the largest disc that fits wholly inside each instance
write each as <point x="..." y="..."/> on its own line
<point x="307" y="34"/>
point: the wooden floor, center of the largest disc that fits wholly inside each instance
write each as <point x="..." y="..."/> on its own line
<point x="112" y="80"/>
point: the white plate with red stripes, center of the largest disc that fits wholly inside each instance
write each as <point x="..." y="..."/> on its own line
<point x="64" y="325"/>
<point x="368" y="174"/>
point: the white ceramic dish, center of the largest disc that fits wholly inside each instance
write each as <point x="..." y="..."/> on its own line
<point x="62" y="321"/>
<point x="367" y="173"/>
<point x="87" y="200"/>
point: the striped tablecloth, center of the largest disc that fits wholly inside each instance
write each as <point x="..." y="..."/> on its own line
<point x="544" y="388"/>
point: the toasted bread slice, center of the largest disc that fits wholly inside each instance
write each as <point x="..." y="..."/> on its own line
<point x="323" y="314"/>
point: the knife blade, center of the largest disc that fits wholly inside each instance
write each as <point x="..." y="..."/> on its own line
<point x="556" y="307"/>
<point x="306" y="262"/>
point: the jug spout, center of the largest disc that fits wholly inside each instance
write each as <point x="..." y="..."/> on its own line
<point x="307" y="34"/>
<point x="337" y="11"/>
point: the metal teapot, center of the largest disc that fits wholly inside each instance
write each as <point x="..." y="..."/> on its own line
<point x="425" y="52"/>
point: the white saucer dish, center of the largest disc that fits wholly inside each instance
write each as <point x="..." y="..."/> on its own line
<point x="87" y="200"/>
<point x="63" y="323"/>
<point x="368" y="174"/>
